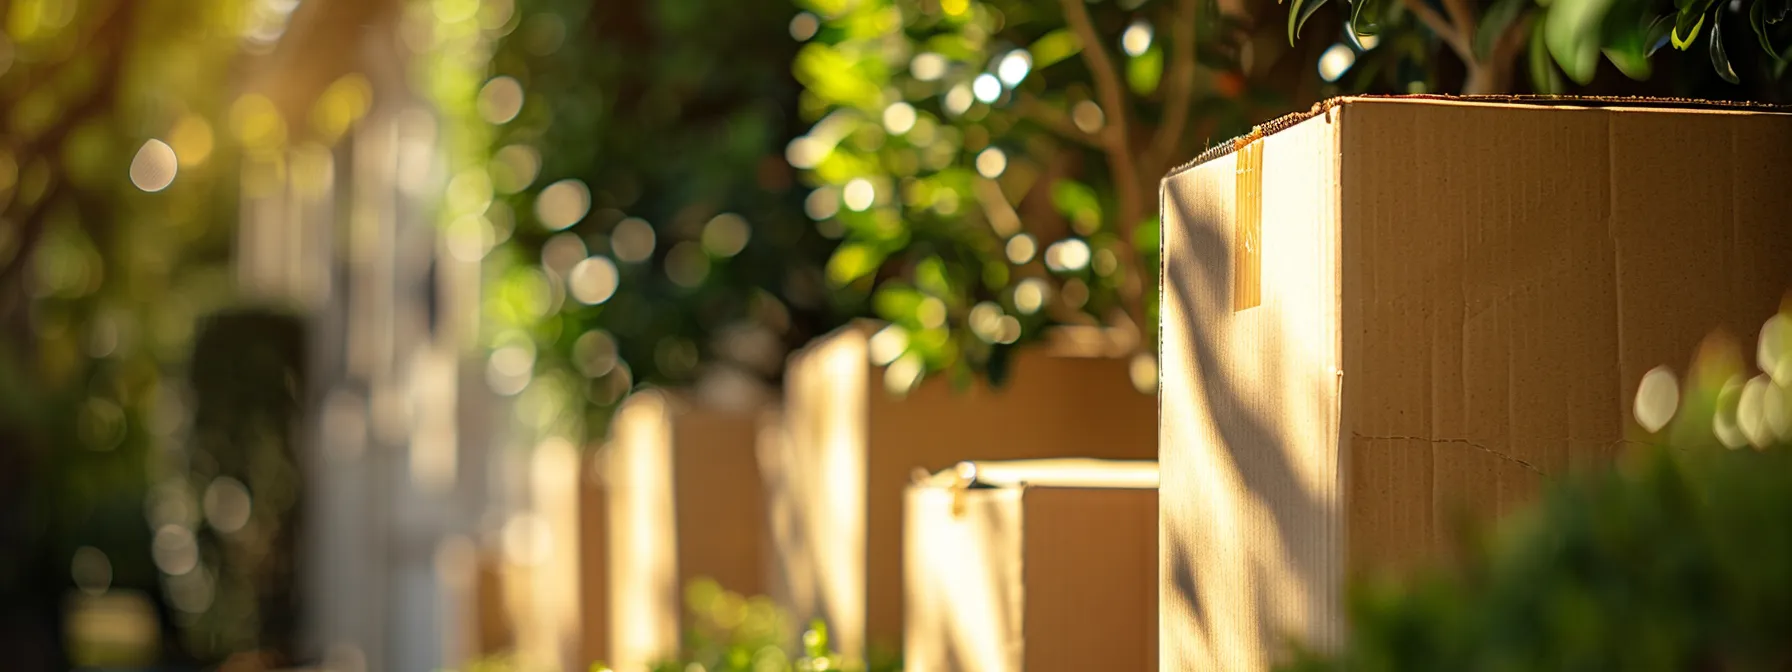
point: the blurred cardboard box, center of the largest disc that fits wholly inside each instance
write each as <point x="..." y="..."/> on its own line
<point x="1037" y="565"/>
<point x="681" y="499"/>
<point x="849" y="446"/>
<point x="1392" y="312"/>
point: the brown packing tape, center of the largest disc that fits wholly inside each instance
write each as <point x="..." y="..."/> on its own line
<point x="1247" y="263"/>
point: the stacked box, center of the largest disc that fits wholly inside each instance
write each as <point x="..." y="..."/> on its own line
<point x="682" y="499"/>
<point x="850" y="445"/>
<point x="1045" y="567"/>
<point x="1393" y="313"/>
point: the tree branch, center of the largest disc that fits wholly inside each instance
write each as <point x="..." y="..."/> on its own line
<point x="1447" y="32"/>
<point x="114" y="30"/>
<point x="1178" y="91"/>
<point x="1117" y="142"/>
<point x="1463" y="17"/>
<point x="1054" y="120"/>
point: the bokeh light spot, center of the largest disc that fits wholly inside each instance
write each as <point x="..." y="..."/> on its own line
<point x="899" y="118"/>
<point x="1335" y="62"/>
<point x="726" y="234"/>
<point x="500" y="100"/>
<point x="155" y="166"/>
<point x="1137" y="38"/>
<point x="562" y="204"/>
<point x="887" y="344"/>
<point x="986" y="87"/>
<point x="227" y="504"/>
<point x="1070" y="254"/>
<point x="991" y="162"/>
<point x="859" y="194"/>
<point x="927" y="66"/>
<point x="633" y="240"/>
<point x="804" y="26"/>
<point x="514" y="168"/>
<point x="1014" y="67"/>
<point x="1021" y="249"/>
<point x="593" y="280"/>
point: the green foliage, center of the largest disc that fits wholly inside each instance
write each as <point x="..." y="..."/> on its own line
<point x="728" y="632"/>
<point x="1679" y="559"/>
<point x="731" y="633"/>
<point x="1016" y="145"/>
<point x="647" y="148"/>
<point x="1572" y="35"/>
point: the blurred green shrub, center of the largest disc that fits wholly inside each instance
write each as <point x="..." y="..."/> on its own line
<point x="1679" y="559"/>
<point x="729" y="632"/>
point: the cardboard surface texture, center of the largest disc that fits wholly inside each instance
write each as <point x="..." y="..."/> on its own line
<point x="1031" y="577"/>
<point x="1452" y="302"/>
<point x="848" y="449"/>
<point x="681" y="499"/>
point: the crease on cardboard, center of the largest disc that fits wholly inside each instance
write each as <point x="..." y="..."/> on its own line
<point x="1457" y="442"/>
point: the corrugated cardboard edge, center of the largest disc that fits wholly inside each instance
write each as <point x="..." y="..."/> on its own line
<point x="1322" y="107"/>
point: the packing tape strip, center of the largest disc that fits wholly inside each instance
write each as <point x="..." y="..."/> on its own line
<point x="1247" y="228"/>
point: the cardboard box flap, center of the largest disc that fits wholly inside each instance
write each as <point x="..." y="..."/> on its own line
<point x="1072" y="472"/>
<point x="1607" y="102"/>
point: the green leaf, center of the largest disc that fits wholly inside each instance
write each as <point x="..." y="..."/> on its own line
<point x="1633" y="64"/>
<point x="1298" y="13"/>
<point x="1659" y="33"/>
<point x="1365" y="19"/>
<point x="1572" y="34"/>
<point x="1145" y="238"/>
<point x="930" y="277"/>
<point x="1757" y="19"/>
<point x="1628" y="47"/>
<point x="1688" y="22"/>
<point x="852" y="262"/>
<point x="1078" y="203"/>
<point x="897" y="303"/>
<point x="1053" y="47"/>
<point x="1719" y="59"/>
<point x="1144" y="71"/>
<point x="1544" y="77"/>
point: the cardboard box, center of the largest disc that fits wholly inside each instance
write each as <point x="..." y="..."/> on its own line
<point x="682" y="499"/>
<point x="1395" y="311"/>
<point x="850" y="447"/>
<point x="1039" y="566"/>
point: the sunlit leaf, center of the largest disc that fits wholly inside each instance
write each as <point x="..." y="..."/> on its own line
<point x="1719" y="59"/>
<point x="1688" y="22"/>
<point x="896" y="302"/>
<point x="1053" y="47"/>
<point x="1145" y="71"/>
<point x="852" y="262"/>
<point x="838" y="78"/>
